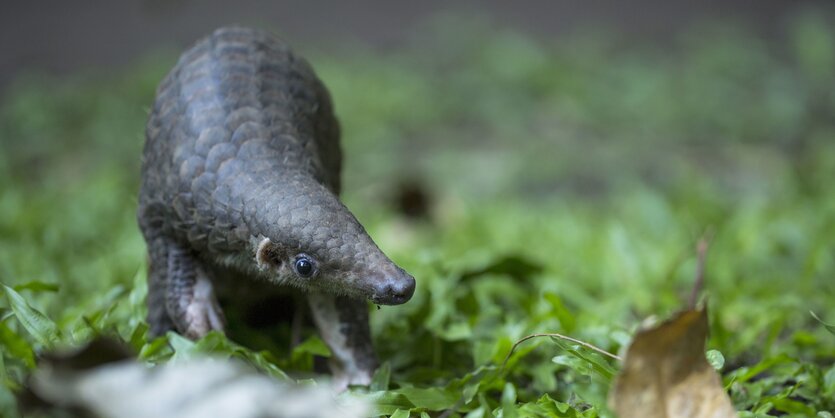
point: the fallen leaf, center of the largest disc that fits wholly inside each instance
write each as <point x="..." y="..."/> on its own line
<point x="665" y="373"/>
<point x="196" y="387"/>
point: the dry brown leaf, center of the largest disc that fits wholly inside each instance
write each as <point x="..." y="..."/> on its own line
<point x="665" y="373"/>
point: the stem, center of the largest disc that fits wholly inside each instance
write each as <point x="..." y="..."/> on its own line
<point x="563" y="337"/>
<point x="701" y="250"/>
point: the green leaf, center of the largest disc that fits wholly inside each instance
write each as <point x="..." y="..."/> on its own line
<point x="216" y="344"/>
<point x="744" y="374"/>
<point x="432" y="398"/>
<point x="830" y="328"/>
<point x="558" y="309"/>
<point x="4" y="373"/>
<point x="264" y="361"/>
<point x="791" y="406"/>
<point x="400" y="413"/>
<point x="715" y="358"/>
<point x="183" y="347"/>
<point x="35" y="322"/>
<point x="37" y="286"/>
<point x="8" y="402"/>
<point x="547" y="407"/>
<point x="156" y="349"/>
<point x="509" y="401"/>
<point x="387" y="403"/>
<point x="829" y="382"/>
<point x="516" y="266"/>
<point x="16" y="345"/>
<point x="303" y="354"/>
<point x="590" y="363"/>
<point x="313" y="345"/>
<point x="138" y="336"/>
<point x="380" y="380"/>
<point x="479" y="412"/>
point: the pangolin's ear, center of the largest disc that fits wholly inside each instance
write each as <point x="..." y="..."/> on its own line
<point x="269" y="255"/>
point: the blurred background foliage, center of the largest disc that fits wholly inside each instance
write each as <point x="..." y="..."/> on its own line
<point x="529" y="185"/>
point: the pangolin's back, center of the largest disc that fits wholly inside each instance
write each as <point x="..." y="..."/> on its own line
<point x="238" y="110"/>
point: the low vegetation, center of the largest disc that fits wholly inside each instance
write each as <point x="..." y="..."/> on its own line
<point x="530" y="187"/>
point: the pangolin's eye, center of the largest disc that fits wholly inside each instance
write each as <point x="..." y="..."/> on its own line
<point x="304" y="266"/>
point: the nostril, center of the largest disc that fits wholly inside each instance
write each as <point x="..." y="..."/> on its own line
<point x="403" y="288"/>
<point x="396" y="290"/>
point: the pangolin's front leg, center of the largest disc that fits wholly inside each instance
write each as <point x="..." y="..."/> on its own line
<point x="189" y="296"/>
<point x="343" y="325"/>
<point x="158" y="319"/>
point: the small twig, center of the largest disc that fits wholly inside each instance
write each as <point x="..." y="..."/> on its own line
<point x="563" y="337"/>
<point x="701" y="251"/>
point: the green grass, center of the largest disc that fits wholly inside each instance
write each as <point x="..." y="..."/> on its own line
<point x="569" y="181"/>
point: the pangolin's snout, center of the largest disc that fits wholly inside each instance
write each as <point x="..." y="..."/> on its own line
<point x="394" y="288"/>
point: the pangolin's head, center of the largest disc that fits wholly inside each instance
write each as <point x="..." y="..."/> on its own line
<point x="312" y="241"/>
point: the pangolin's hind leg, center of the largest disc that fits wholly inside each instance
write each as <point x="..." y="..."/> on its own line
<point x="343" y="325"/>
